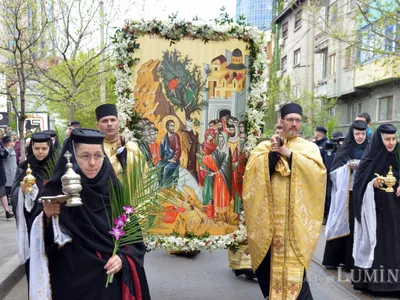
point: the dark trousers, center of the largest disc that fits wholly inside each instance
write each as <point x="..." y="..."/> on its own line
<point x="263" y="277"/>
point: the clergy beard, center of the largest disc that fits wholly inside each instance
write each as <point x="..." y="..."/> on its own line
<point x="291" y="133"/>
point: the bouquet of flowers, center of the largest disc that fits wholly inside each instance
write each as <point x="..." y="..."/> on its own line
<point x="134" y="204"/>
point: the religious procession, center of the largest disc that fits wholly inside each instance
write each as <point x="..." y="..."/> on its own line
<point x="191" y="159"/>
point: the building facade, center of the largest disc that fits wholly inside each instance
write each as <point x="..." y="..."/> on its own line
<point x="342" y="69"/>
<point x="257" y="12"/>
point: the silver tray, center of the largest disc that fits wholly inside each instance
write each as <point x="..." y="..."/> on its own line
<point x="59" y="198"/>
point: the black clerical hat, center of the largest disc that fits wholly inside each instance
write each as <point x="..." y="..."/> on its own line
<point x="387" y="128"/>
<point x="359" y="125"/>
<point x="74" y="123"/>
<point x="50" y="132"/>
<point x="105" y="110"/>
<point x="40" y="137"/>
<point x="321" y="129"/>
<point x="6" y="139"/>
<point x="291" y="108"/>
<point x="87" y="136"/>
<point x="337" y="135"/>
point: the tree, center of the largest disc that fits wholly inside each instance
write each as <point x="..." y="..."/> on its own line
<point x="370" y="26"/>
<point x="57" y="100"/>
<point x="76" y="56"/>
<point x="183" y="85"/>
<point x="23" y="26"/>
<point x="182" y="82"/>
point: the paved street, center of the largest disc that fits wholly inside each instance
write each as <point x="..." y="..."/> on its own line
<point x="206" y="276"/>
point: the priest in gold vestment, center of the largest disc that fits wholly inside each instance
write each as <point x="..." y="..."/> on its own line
<point x="283" y="198"/>
<point x="120" y="154"/>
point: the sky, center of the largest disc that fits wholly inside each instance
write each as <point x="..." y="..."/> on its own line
<point x="187" y="9"/>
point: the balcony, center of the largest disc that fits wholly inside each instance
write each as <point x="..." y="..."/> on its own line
<point x="321" y="43"/>
<point x="378" y="71"/>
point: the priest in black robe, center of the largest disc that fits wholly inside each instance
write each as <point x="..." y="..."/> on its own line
<point x="77" y="242"/>
<point x="377" y="212"/>
<point x="340" y="224"/>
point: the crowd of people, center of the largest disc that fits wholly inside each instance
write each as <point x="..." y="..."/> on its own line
<point x="349" y="183"/>
<point x="291" y="187"/>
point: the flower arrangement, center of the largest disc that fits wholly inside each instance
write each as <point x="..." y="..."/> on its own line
<point x="175" y="29"/>
<point x="192" y="242"/>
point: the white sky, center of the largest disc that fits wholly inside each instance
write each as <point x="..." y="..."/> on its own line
<point x="187" y="9"/>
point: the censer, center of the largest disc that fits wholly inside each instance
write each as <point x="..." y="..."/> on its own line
<point x="71" y="186"/>
<point x="389" y="181"/>
<point x="29" y="180"/>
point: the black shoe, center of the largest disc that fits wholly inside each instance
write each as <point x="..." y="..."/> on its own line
<point x="324" y="221"/>
<point x="9" y="215"/>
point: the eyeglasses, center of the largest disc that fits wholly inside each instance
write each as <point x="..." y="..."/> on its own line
<point x="292" y="120"/>
<point x="87" y="157"/>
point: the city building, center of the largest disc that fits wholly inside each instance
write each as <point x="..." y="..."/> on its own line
<point x="257" y="12"/>
<point x="361" y="80"/>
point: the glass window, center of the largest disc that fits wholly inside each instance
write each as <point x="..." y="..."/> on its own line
<point x="285" y="29"/>
<point x="333" y="13"/>
<point x="296" y="57"/>
<point x="284" y="64"/>
<point x="297" y="21"/>
<point x="354" y="111"/>
<point x="348" y="56"/>
<point x="385" y="108"/>
<point x="332" y="64"/>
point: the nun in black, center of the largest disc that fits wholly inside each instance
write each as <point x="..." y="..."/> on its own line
<point x="78" y="266"/>
<point x="340" y="224"/>
<point x="377" y="212"/>
<point x="54" y="137"/>
<point x="24" y="202"/>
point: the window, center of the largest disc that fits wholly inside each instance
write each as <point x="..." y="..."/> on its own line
<point x="333" y="13"/>
<point x="348" y="56"/>
<point x="354" y="110"/>
<point x="296" y="57"/>
<point x="284" y="64"/>
<point x="297" y="21"/>
<point x="385" y="108"/>
<point x="324" y="64"/>
<point x="332" y="64"/>
<point x="332" y="111"/>
<point x="285" y="30"/>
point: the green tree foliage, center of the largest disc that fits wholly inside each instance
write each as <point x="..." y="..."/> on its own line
<point x="59" y="93"/>
<point x="24" y="31"/>
<point x="182" y="82"/>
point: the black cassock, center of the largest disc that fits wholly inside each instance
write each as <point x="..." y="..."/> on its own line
<point x="377" y="159"/>
<point x="77" y="269"/>
<point x="340" y="250"/>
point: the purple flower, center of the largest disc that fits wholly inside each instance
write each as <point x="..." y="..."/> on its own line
<point x="117" y="233"/>
<point x="121" y="221"/>
<point x="129" y="209"/>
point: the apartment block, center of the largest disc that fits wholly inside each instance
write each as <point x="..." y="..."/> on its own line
<point x="360" y="80"/>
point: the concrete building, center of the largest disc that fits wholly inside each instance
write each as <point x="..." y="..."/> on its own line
<point x="360" y="80"/>
<point x="257" y="12"/>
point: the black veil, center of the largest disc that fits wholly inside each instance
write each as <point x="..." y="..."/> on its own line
<point x="89" y="224"/>
<point x="350" y="148"/>
<point x="376" y="159"/>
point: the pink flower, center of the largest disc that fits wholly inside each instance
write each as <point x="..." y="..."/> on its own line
<point x="129" y="209"/>
<point x="121" y="221"/>
<point x="117" y="233"/>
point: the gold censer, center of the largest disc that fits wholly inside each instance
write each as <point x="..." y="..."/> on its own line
<point x="389" y="181"/>
<point x="29" y="180"/>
